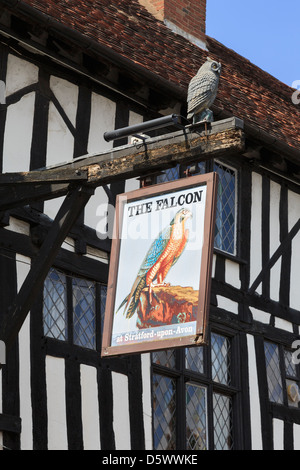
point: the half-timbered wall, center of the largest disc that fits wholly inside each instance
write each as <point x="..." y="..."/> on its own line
<point x="66" y="396"/>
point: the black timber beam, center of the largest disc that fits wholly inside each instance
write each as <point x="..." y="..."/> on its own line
<point x="192" y="144"/>
<point x="23" y="195"/>
<point x="71" y="208"/>
<point x="17" y="189"/>
<point x="54" y="176"/>
<point x="10" y="423"/>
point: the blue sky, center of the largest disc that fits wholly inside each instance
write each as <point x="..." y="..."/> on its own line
<point x="267" y="32"/>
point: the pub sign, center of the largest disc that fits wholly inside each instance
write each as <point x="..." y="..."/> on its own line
<point x="160" y="268"/>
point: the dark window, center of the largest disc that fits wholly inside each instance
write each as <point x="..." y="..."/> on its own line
<point x="193" y="397"/>
<point x="225" y="228"/>
<point x="72" y="307"/>
<point x="283" y="375"/>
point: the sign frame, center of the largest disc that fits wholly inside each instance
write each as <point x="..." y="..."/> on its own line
<point x="208" y="181"/>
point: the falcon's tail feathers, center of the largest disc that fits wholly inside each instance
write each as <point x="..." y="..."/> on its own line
<point x="123" y="303"/>
<point x="135" y="297"/>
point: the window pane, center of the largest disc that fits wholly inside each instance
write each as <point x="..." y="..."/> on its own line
<point x="55" y="306"/>
<point x="194" y="359"/>
<point x="273" y="373"/>
<point x="169" y="175"/>
<point x="84" y="316"/>
<point x="164" y="358"/>
<point x="164" y="413"/>
<point x="222" y="406"/>
<point x="220" y="356"/>
<point x="196" y="425"/>
<point x="103" y="294"/>
<point x="225" y="211"/>
<point x="172" y="174"/>
<point x="290" y="367"/>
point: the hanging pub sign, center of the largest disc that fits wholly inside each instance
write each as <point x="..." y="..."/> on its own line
<point x="160" y="268"/>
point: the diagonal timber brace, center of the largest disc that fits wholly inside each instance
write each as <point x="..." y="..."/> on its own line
<point x="71" y="208"/>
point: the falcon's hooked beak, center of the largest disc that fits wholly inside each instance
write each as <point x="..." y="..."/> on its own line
<point x="185" y="214"/>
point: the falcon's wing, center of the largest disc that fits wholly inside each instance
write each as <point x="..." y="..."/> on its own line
<point x="155" y="250"/>
<point x="200" y="91"/>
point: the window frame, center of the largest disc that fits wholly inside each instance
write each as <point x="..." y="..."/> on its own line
<point x="69" y="312"/>
<point x="182" y="376"/>
<point x="185" y="170"/>
<point x="236" y="199"/>
<point x="284" y="376"/>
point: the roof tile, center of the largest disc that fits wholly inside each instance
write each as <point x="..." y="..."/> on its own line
<point x="130" y="30"/>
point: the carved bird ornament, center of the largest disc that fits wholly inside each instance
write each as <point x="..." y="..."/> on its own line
<point x="202" y="91"/>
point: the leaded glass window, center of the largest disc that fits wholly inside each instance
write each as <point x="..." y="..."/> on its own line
<point x="55" y="301"/>
<point x="226" y="210"/>
<point x="84" y="313"/>
<point x="283" y="375"/>
<point x="196" y="417"/>
<point x="273" y="373"/>
<point x="223" y="432"/>
<point x="169" y="175"/>
<point x="194" y="359"/>
<point x="193" y="387"/>
<point x="164" y="358"/>
<point x="220" y="359"/>
<point x="164" y="409"/>
<point x="71" y="308"/>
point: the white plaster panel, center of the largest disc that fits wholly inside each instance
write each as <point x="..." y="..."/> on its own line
<point x="213" y="267"/>
<point x="60" y="145"/>
<point x="255" y="415"/>
<point x="293" y="208"/>
<point x="232" y="273"/>
<point x="18" y="226"/>
<point x="23" y="267"/>
<point x="121" y="422"/>
<point x="283" y="325"/>
<point x="228" y="304"/>
<point x="275" y="280"/>
<point x="98" y="255"/>
<point x="20" y="74"/>
<point x="296" y="436"/>
<point x="52" y="207"/>
<point x="18" y="135"/>
<point x="69" y="245"/>
<point x="256" y="215"/>
<point x="259" y="315"/>
<point x="132" y="185"/>
<point x="275" y="190"/>
<point x="90" y="408"/>
<point x="278" y="434"/>
<point x="56" y="403"/>
<point x="67" y="95"/>
<point x="135" y="118"/>
<point x="294" y="279"/>
<point x="96" y="210"/>
<point x="102" y="120"/>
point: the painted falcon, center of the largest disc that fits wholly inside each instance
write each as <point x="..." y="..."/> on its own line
<point x="162" y="255"/>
